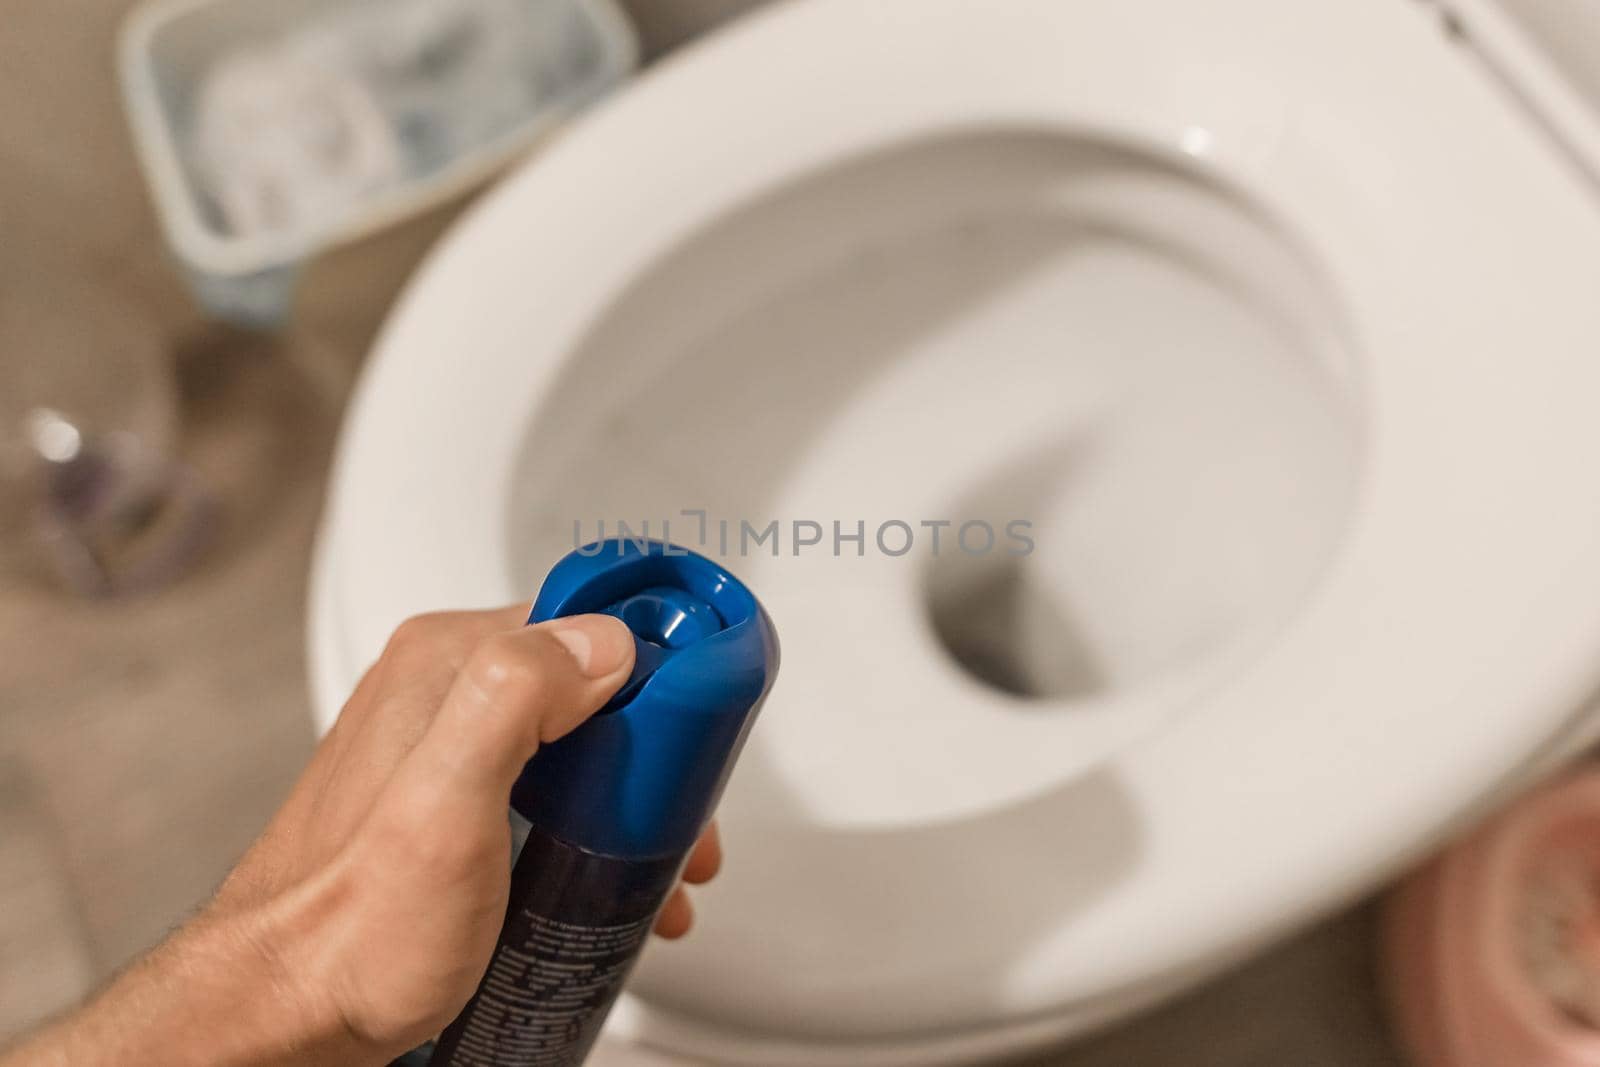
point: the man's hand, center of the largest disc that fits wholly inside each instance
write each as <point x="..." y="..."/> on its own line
<point x="360" y="923"/>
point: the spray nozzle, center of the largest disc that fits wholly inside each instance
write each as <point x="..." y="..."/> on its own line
<point x="664" y="620"/>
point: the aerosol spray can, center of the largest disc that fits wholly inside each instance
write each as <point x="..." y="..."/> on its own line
<point x="614" y="809"/>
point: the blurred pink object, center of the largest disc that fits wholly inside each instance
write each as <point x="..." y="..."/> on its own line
<point x="1494" y="948"/>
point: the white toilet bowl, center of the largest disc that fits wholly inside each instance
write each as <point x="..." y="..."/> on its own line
<point x="1277" y="321"/>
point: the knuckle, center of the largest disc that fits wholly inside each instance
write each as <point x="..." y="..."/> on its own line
<point x="419" y="635"/>
<point x="506" y="669"/>
<point x="405" y="817"/>
<point x="416" y="828"/>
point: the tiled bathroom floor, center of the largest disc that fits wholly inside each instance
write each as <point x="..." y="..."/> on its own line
<point x="143" y="743"/>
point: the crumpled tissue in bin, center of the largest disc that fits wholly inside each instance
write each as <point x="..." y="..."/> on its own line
<point x="294" y="133"/>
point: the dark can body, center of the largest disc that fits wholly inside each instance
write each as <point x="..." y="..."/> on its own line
<point x="576" y="924"/>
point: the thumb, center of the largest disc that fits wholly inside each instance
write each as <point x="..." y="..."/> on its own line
<point x="518" y="690"/>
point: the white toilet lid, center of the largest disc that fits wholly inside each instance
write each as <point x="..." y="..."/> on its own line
<point x="1454" y="636"/>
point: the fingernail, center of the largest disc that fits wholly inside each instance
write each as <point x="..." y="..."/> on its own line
<point x="600" y="643"/>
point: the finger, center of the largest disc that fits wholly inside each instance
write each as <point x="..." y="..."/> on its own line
<point x="517" y="690"/>
<point x="314" y="779"/>
<point x="677" y="916"/>
<point x="383" y="719"/>
<point x="389" y="713"/>
<point x="706" y="859"/>
<point x="415" y="672"/>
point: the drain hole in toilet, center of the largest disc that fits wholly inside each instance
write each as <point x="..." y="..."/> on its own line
<point x="991" y="611"/>
<point x="995" y="627"/>
<point x="1169" y="531"/>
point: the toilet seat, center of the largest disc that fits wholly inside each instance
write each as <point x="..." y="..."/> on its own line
<point x="1450" y="641"/>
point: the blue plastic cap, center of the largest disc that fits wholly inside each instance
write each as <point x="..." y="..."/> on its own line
<point x="642" y="778"/>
